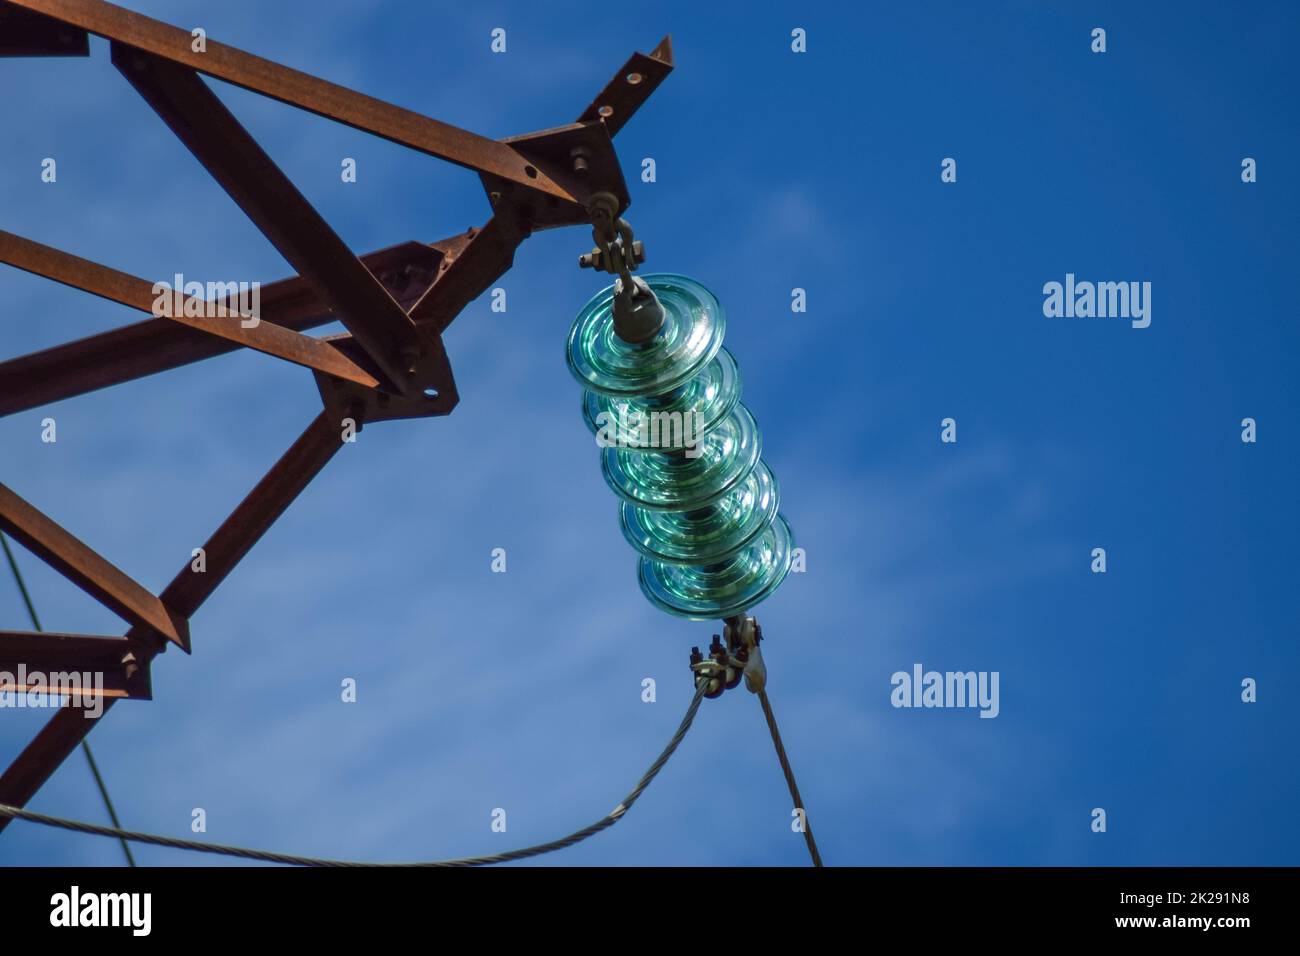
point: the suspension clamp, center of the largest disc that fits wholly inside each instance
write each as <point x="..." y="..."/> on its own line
<point x="732" y="656"/>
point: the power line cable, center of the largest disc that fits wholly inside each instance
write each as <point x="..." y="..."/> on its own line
<point x="789" y="776"/>
<point x="85" y="746"/>
<point x="603" y="823"/>
<point x="125" y="837"/>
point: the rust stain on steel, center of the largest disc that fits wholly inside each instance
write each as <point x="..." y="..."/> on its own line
<point x="433" y="282"/>
<point x="260" y="509"/>
<point x="122" y="672"/>
<point x="284" y="215"/>
<point x="299" y="89"/>
<point x="630" y="87"/>
<point x="186" y="593"/>
<point x="52" y="745"/>
<point x="23" y="33"/>
<point x="138" y="293"/>
<point x="85" y="568"/>
<point x="158" y="345"/>
<point x="471" y="263"/>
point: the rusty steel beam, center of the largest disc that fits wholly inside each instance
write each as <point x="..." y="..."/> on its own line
<point x="408" y="271"/>
<point x="558" y="169"/>
<point x="128" y="290"/>
<point x="48" y="749"/>
<point x="630" y="87"/>
<point x="581" y="156"/>
<point x="260" y="509"/>
<point x="122" y="670"/>
<point x="302" y="90"/>
<point x="186" y="593"/>
<point x="23" y="33"/>
<point x="462" y="267"/>
<point x="471" y="262"/>
<point x="158" y="345"/>
<point x="90" y="572"/>
<point x="147" y="348"/>
<point x="269" y="198"/>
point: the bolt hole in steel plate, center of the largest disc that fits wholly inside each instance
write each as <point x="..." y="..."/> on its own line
<point x="634" y="78"/>
<point x="606" y="111"/>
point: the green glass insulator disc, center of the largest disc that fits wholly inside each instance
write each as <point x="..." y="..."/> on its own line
<point x="692" y="332"/>
<point x="679" y="482"/>
<point x="721" y="590"/>
<point x="708" y="535"/>
<point x="672" y="421"/>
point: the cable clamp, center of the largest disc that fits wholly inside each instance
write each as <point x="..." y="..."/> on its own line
<point x="745" y="633"/>
<point x="732" y="656"/>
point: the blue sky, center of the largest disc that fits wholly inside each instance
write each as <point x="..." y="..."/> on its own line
<point x="775" y="170"/>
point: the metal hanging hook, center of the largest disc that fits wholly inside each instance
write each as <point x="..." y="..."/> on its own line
<point x="638" y="315"/>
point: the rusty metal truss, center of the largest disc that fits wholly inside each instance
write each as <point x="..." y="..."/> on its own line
<point x="394" y="304"/>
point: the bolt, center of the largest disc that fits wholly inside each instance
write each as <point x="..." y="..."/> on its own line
<point x="411" y="356"/>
